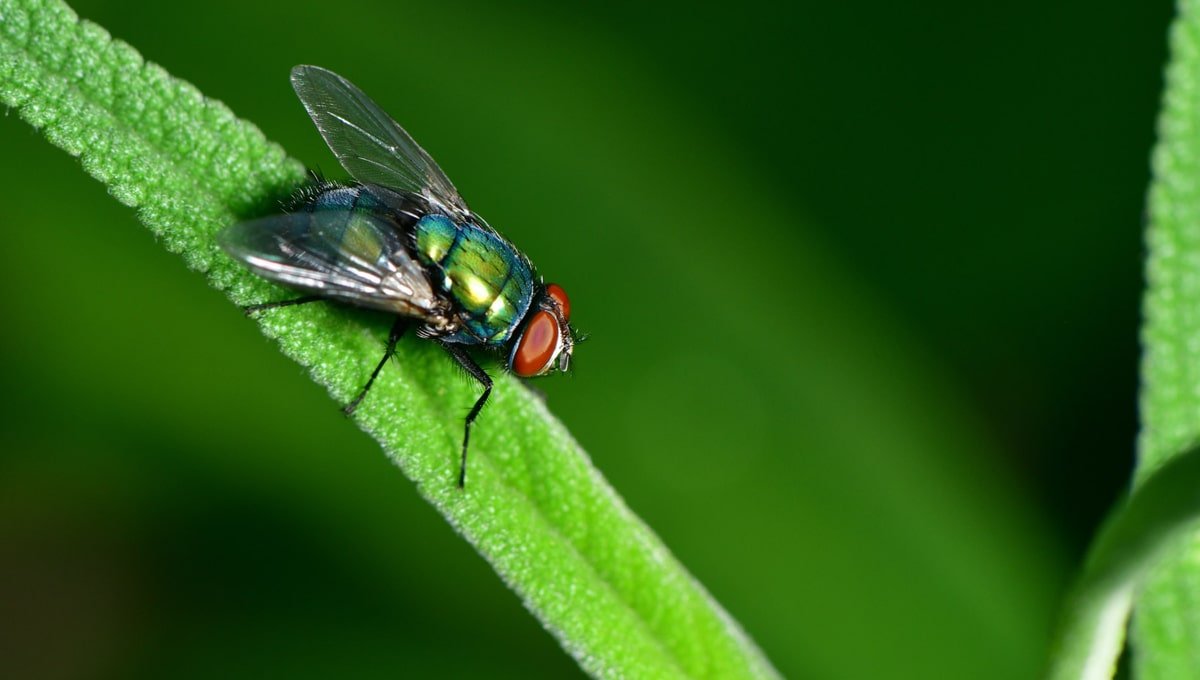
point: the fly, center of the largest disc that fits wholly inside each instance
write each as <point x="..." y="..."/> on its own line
<point x="400" y="239"/>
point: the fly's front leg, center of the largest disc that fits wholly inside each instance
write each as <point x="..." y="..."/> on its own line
<point x="464" y="359"/>
<point x="398" y="329"/>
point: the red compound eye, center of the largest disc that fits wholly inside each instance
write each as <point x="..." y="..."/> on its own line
<point x="559" y="295"/>
<point x="536" y="347"/>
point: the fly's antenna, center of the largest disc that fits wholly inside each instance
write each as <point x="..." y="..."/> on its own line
<point x="579" y="338"/>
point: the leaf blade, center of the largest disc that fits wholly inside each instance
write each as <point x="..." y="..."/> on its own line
<point x="1166" y="635"/>
<point x="1160" y="514"/>
<point x="563" y="539"/>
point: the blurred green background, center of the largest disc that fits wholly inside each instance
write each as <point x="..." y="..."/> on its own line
<point x="861" y="280"/>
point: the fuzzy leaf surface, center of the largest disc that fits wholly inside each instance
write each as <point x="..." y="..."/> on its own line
<point x="535" y="507"/>
<point x="1166" y="626"/>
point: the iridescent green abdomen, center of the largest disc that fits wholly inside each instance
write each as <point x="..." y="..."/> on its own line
<point x="492" y="283"/>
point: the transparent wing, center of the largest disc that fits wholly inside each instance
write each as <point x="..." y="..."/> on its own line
<point x="371" y="146"/>
<point x="347" y="256"/>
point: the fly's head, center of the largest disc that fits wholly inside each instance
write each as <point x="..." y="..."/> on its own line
<point x="545" y="341"/>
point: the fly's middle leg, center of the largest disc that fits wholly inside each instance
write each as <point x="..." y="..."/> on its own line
<point x="397" y="332"/>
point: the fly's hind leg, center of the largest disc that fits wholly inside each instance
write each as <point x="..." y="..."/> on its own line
<point x="250" y="310"/>
<point x="464" y="359"/>
<point x="398" y="329"/>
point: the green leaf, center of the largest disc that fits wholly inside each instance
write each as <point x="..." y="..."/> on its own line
<point x="1164" y="509"/>
<point x="599" y="580"/>
<point x="1166" y="631"/>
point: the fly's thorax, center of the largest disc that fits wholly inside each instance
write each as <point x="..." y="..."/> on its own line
<point x="490" y="283"/>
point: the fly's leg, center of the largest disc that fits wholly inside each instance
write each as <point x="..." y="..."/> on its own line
<point x="263" y="306"/>
<point x="398" y="329"/>
<point x="464" y="359"/>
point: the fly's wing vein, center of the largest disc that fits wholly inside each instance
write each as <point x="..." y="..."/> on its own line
<point x="348" y="256"/>
<point x="371" y="146"/>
